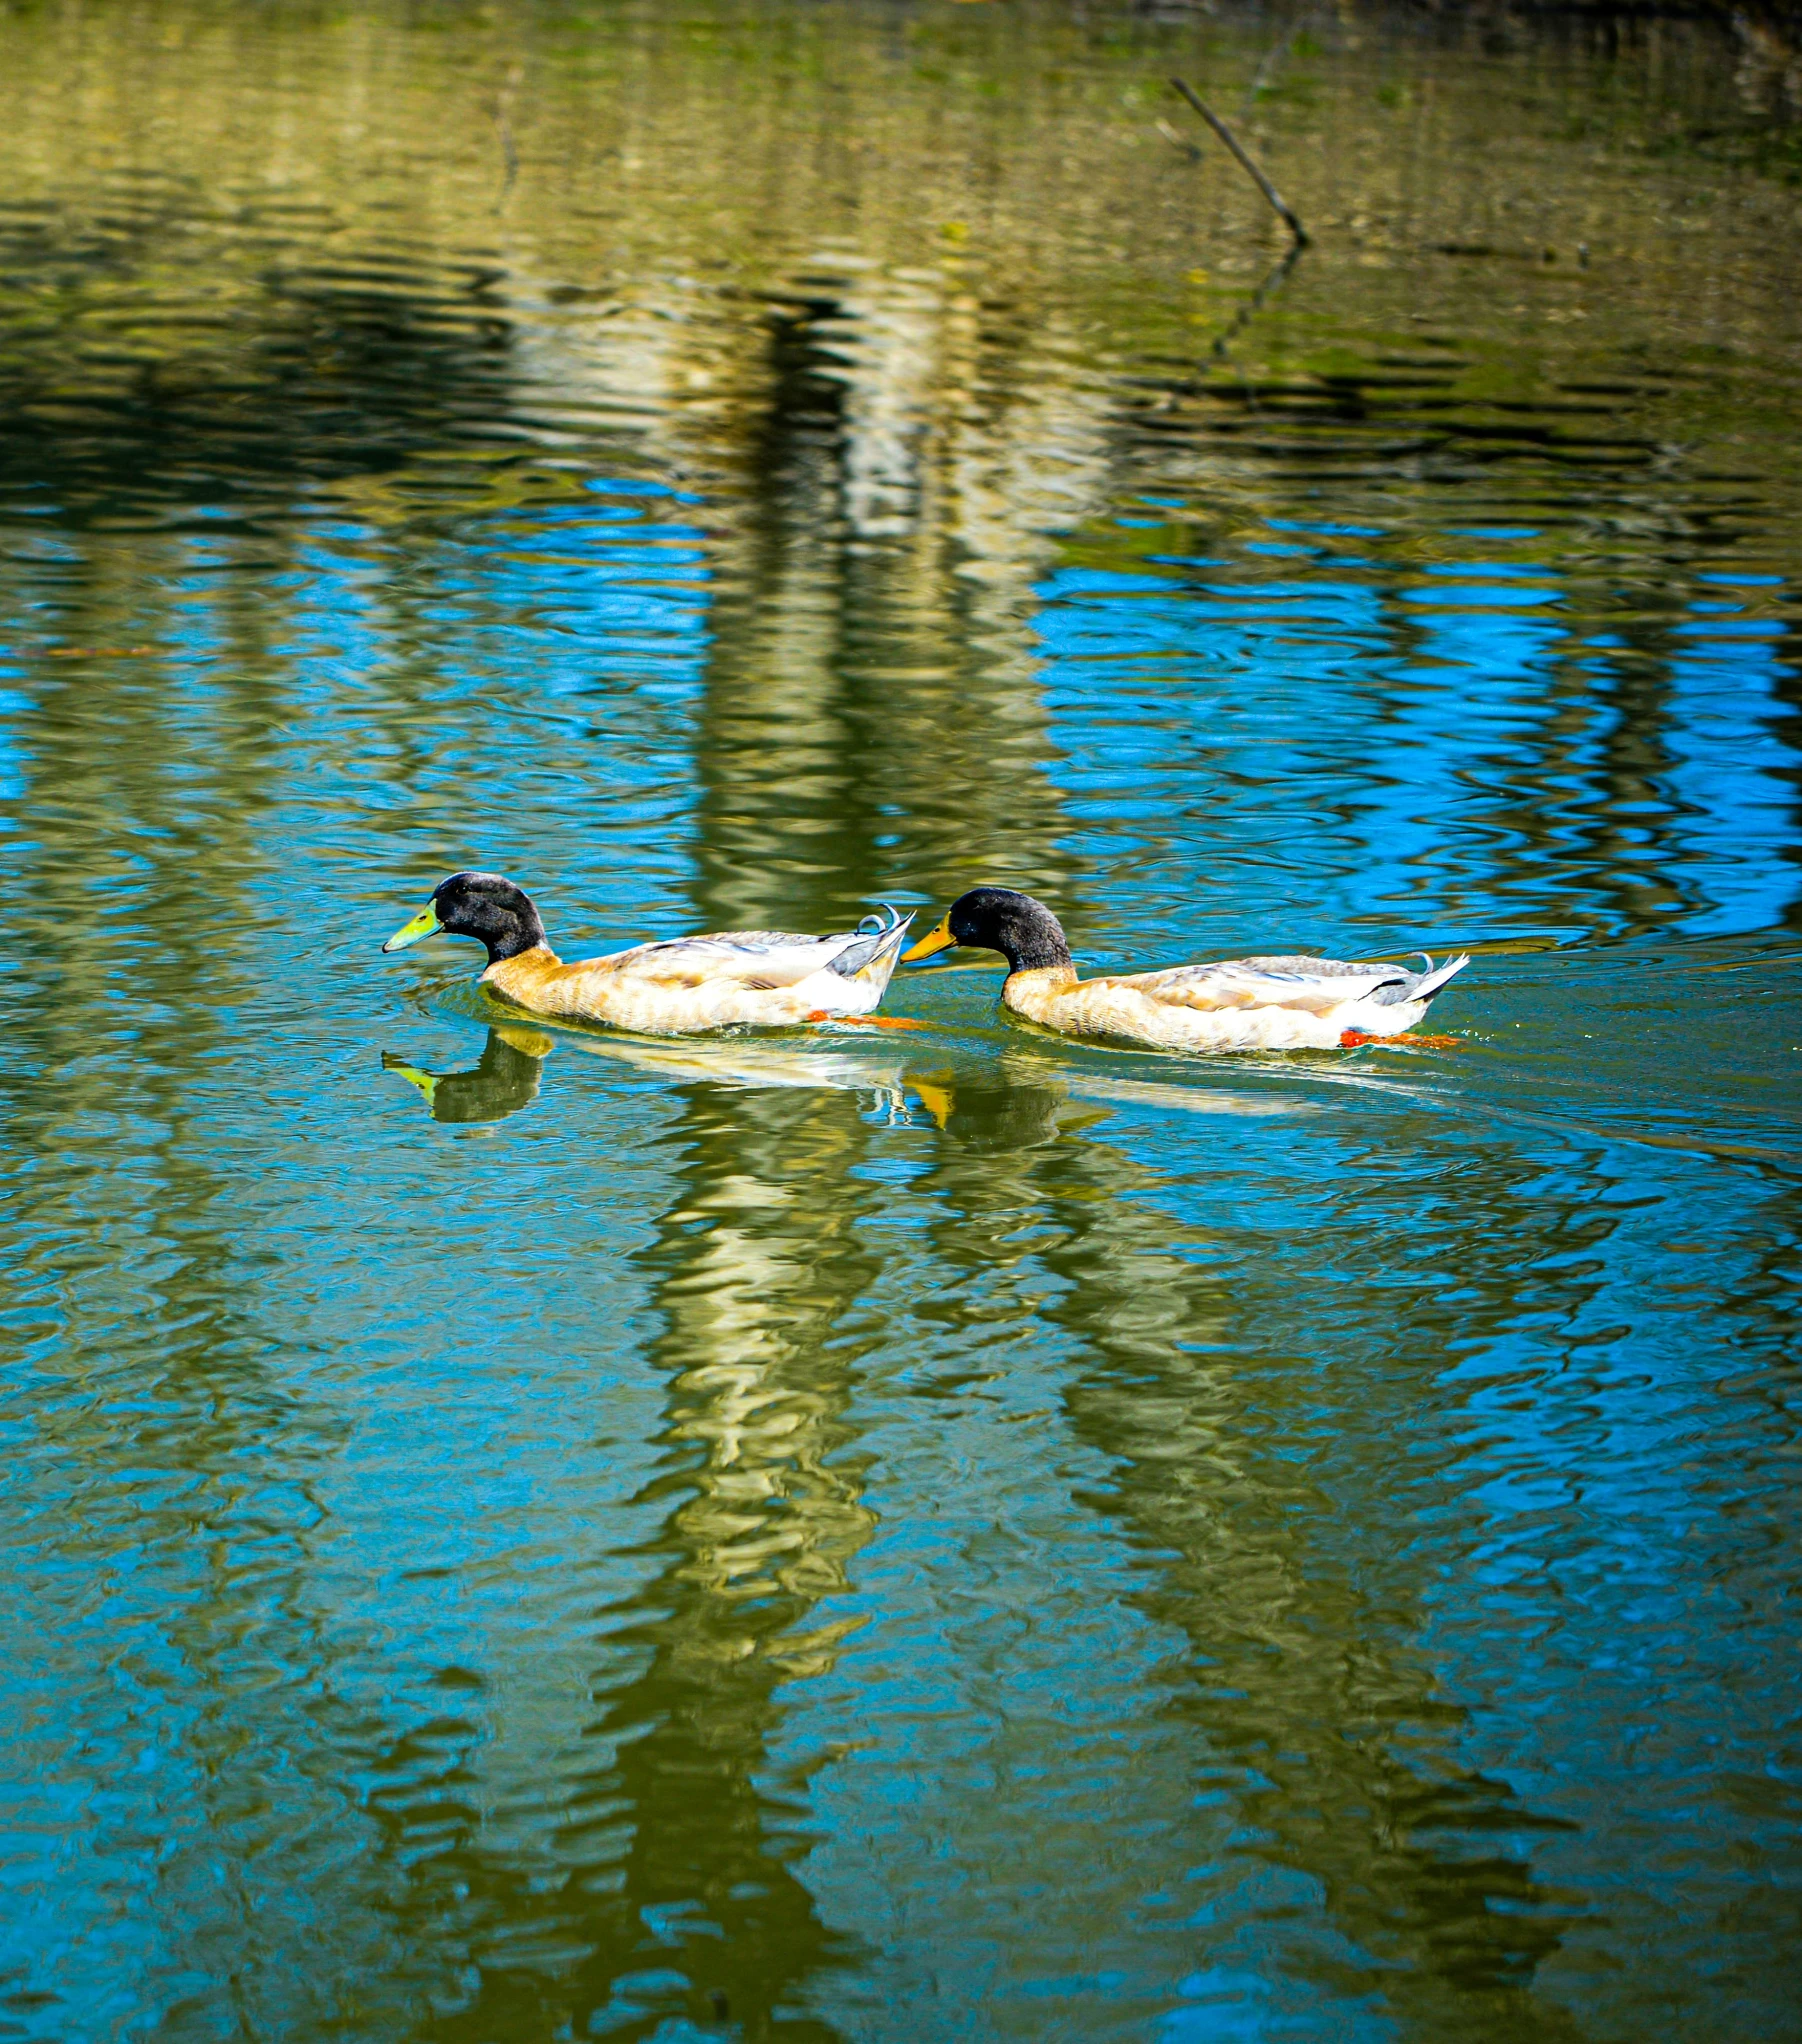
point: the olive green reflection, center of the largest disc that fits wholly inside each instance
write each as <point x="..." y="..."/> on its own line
<point x="685" y="1892"/>
<point x="867" y="721"/>
<point x="684" y="1847"/>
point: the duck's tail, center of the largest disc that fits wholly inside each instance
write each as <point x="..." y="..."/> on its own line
<point x="871" y="953"/>
<point x="1436" y="976"/>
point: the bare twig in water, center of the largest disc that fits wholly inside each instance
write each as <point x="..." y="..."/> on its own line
<point x="1285" y="212"/>
<point x="1241" y="319"/>
<point x="1221" y="351"/>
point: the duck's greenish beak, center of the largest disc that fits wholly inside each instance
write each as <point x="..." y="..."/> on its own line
<point x="939" y="938"/>
<point x="425" y="924"/>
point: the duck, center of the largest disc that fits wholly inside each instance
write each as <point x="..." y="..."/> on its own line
<point x="723" y="980"/>
<point x="1233" y="1004"/>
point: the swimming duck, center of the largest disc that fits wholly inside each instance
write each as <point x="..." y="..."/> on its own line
<point x="764" y="977"/>
<point x="1290" y="1003"/>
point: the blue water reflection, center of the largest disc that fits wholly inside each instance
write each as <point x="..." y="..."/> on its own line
<point x="1426" y="701"/>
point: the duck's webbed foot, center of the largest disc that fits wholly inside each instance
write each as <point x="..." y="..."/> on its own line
<point x="1355" y="1039"/>
<point x="866" y="1021"/>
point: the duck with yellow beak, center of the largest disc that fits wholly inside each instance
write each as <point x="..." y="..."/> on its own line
<point x="1275" y="1003"/>
<point x="729" y="979"/>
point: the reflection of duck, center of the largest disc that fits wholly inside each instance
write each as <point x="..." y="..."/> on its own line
<point x="756" y="1067"/>
<point x="1020" y="1106"/>
<point x="505" y="1079"/>
<point x="1289" y="1003"/>
<point x="765" y="977"/>
<point x="506" y="1076"/>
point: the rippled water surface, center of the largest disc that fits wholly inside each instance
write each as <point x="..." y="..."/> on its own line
<point x="945" y="1534"/>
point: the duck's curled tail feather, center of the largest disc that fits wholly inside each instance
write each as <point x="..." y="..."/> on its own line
<point x="873" y="946"/>
<point x="1436" y="976"/>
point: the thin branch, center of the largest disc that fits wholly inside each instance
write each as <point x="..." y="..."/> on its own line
<point x="1285" y="212"/>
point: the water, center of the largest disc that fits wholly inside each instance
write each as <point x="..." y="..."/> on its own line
<point x="948" y="1534"/>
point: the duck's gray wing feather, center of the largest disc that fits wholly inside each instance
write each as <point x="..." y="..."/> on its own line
<point x="1314" y="984"/>
<point x="755" y="958"/>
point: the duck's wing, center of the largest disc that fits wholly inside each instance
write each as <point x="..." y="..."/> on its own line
<point x="756" y="959"/>
<point x="1317" y="985"/>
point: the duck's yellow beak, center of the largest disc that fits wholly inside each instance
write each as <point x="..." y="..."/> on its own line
<point x="938" y="938"/>
<point x="425" y="924"/>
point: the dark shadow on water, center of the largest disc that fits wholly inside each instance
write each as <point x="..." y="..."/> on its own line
<point x="139" y="395"/>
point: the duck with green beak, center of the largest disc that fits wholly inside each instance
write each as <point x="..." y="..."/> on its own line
<point x="1287" y="1002"/>
<point x="729" y="979"/>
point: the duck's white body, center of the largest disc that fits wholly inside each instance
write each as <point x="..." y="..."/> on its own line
<point x="1236" y="1004"/>
<point x="727" y="979"/>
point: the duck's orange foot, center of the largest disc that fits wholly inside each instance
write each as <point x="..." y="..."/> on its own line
<point x="865" y="1021"/>
<point x="1353" y="1039"/>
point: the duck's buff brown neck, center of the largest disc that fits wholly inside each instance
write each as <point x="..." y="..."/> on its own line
<point x="1040" y="982"/>
<point x="522" y="969"/>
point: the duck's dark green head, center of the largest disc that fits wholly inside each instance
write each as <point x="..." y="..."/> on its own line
<point x="1024" y="931"/>
<point x="480" y="905"/>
